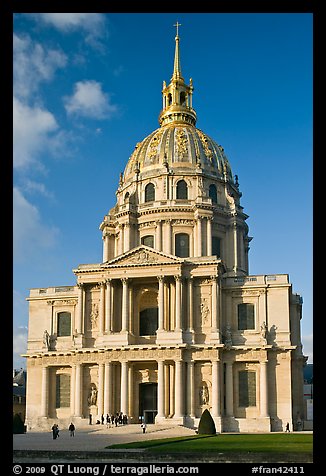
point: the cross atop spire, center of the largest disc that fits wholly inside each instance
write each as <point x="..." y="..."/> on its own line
<point x="177" y="25"/>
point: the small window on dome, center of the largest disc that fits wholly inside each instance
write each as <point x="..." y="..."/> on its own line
<point x="182" y="190"/>
<point x="182" y="245"/>
<point x="183" y="98"/>
<point x="213" y="193"/>
<point x="149" y="193"/>
<point x="169" y="99"/>
<point x="148" y="240"/>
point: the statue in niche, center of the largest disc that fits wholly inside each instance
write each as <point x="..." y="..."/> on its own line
<point x="46" y="340"/>
<point x="92" y="398"/>
<point x="203" y="394"/>
<point x="228" y="336"/>
<point x="264" y="331"/>
<point x="94" y="315"/>
<point x="204" y="310"/>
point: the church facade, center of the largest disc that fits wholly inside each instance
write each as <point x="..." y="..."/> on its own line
<point x="170" y="323"/>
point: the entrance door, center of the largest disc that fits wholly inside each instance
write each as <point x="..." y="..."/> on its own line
<point x="148" y="401"/>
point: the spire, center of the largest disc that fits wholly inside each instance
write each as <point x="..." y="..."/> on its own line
<point x="177" y="67"/>
<point x="177" y="96"/>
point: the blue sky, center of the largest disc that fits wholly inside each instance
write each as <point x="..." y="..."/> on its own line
<point x="87" y="88"/>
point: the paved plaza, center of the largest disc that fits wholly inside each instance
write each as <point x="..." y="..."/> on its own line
<point x="95" y="438"/>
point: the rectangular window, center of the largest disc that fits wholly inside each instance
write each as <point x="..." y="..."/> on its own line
<point x="246" y="316"/>
<point x="64" y="324"/>
<point x="62" y="395"/>
<point x="216" y="246"/>
<point x="247" y="388"/>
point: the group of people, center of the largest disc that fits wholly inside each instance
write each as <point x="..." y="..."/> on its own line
<point x="118" y="419"/>
<point x="55" y="430"/>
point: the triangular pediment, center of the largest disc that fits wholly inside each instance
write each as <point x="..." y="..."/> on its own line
<point x="142" y="255"/>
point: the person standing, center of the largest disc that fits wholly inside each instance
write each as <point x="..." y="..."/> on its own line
<point x="143" y="427"/>
<point x="54" y="431"/>
<point x="72" y="429"/>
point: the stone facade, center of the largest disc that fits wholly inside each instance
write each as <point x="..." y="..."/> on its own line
<point x="170" y="322"/>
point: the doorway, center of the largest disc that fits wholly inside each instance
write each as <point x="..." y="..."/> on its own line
<point x="148" y="401"/>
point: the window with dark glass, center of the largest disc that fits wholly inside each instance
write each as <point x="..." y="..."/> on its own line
<point x="62" y="394"/>
<point x="213" y="193"/>
<point x="182" y="190"/>
<point x="246" y="316"/>
<point x="247" y="388"/>
<point x="148" y="240"/>
<point x="148" y="321"/>
<point x="182" y="245"/>
<point x="64" y="324"/>
<point x="216" y="246"/>
<point x="149" y="192"/>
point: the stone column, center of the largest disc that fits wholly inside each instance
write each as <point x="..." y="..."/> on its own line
<point x="125" y="306"/>
<point x="263" y="389"/>
<point x="72" y="389"/>
<point x="108" y="307"/>
<point x="167" y="389"/>
<point x="216" y="398"/>
<point x="178" y="389"/>
<point x="105" y="238"/>
<point x="190" y="304"/>
<point x="78" y="393"/>
<point x="131" y="399"/>
<point x="235" y="245"/>
<point x="215" y="304"/>
<point x="100" y="390"/>
<point x="121" y="239"/>
<point x="80" y="309"/>
<point x="172" y="390"/>
<point x="45" y="392"/>
<point x="160" y="389"/>
<point x="158" y="237"/>
<point x="108" y="387"/>
<point x="168" y="237"/>
<point x="124" y="387"/>
<point x="160" y="303"/>
<point x="229" y="389"/>
<point x="178" y="290"/>
<point x="191" y="388"/>
<point x="209" y="236"/>
<point x="102" y="308"/>
<point x="126" y="238"/>
<point x="199" y="237"/>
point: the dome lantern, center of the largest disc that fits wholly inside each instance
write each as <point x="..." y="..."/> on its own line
<point x="177" y="96"/>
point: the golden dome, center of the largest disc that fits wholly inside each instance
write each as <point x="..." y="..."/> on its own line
<point x="178" y="146"/>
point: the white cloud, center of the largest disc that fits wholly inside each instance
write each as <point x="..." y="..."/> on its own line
<point x="307" y="342"/>
<point x="66" y="22"/>
<point x="89" y="101"/>
<point x="29" y="233"/>
<point x="32" y="129"/>
<point x="33" y="64"/>
<point x="20" y="342"/>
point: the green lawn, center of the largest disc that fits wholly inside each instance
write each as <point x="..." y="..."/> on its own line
<point x="255" y="443"/>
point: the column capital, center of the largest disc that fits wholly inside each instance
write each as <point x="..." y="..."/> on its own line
<point x="125" y="280"/>
<point x="108" y="281"/>
<point x="161" y="278"/>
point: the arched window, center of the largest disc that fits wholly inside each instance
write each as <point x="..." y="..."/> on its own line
<point x="182" y="190"/>
<point x="148" y="240"/>
<point x="127" y="197"/>
<point x="183" y="98"/>
<point x="149" y="192"/>
<point x="169" y="99"/>
<point x="64" y="324"/>
<point x="182" y="245"/>
<point x="213" y="193"/>
<point x="148" y="321"/>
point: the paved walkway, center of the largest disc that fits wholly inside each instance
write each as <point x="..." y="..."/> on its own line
<point x="95" y="438"/>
